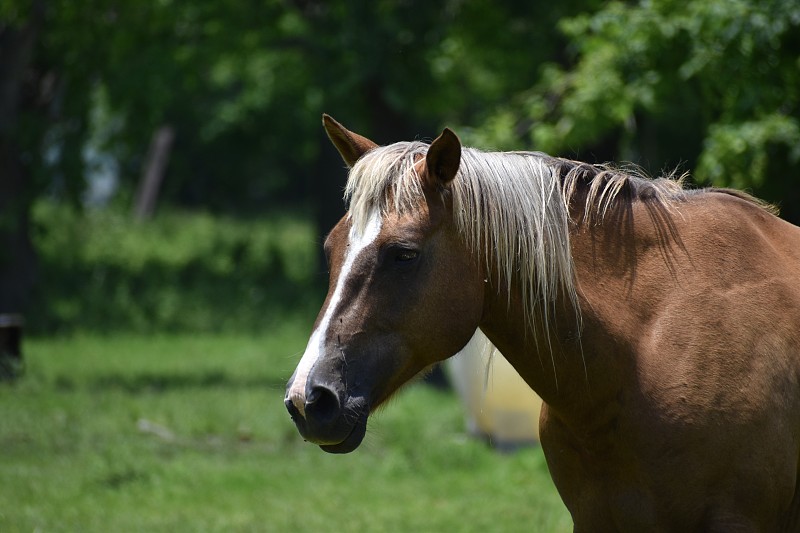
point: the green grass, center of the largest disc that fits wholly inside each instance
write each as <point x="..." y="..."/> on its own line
<point x="188" y="433"/>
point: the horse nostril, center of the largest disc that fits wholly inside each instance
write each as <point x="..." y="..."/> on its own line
<point x="322" y="404"/>
<point x="293" y="412"/>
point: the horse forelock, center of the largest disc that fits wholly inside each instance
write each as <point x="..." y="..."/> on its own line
<point x="385" y="178"/>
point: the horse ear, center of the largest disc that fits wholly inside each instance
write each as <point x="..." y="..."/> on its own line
<point x="444" y="158"/>
<point x="351" y="145"/>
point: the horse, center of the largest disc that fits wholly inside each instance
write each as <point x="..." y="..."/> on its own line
<point x="660" y="324"/>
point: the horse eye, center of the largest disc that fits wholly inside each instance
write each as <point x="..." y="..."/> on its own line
<point x="405" y="256"/>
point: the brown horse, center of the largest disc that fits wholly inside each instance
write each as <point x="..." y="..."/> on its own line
<point x="661" y="326"/>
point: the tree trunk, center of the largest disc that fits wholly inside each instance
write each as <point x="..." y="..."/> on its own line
<point x="17" y="87"/>
<point x="17" y="256"/>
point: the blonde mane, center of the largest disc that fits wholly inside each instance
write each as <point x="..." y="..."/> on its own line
<point x="513" y="207"/>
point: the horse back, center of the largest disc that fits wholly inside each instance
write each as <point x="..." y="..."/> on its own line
<point x="734" y="245"/>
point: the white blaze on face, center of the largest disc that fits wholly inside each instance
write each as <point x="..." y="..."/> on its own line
<point x="316" y="344"/>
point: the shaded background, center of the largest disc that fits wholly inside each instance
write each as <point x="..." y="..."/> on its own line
<point x="220" y="102"/>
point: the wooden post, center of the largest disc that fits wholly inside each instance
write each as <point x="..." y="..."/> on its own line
<point x="153" y="173"/>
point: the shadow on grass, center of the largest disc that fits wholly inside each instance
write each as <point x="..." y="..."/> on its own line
<point x="157" y="383"/>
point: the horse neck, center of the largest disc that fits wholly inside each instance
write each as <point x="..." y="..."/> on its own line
<point x="579" y="358"/>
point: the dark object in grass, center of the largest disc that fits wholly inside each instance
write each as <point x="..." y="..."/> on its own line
<point x="11" y="363"/>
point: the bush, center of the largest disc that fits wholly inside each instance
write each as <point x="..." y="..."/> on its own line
<point x="182" y="271"/>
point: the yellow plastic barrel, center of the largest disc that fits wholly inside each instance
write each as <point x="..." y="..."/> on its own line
<point x="498" y="404"/>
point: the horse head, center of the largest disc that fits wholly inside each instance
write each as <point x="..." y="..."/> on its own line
<point x="404" y="292"/>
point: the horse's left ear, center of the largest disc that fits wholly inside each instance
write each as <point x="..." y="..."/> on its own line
<point x="351" y="146"/>
<point x="443" y="159"/>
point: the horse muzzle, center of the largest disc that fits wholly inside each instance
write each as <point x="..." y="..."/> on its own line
<point x="328" y="417"/>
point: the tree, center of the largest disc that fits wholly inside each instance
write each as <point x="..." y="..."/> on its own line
<point x="20" y="90"/>
<point x="714" y="83"/>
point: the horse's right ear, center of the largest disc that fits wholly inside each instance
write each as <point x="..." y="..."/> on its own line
<point x="443" y="159"/>
<point x="351" y="145"/>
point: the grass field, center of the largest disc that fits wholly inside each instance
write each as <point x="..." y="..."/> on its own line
<point x="188" y="433"/>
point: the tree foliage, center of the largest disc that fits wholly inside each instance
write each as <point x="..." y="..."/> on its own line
<point x="713" y="85"/>
<point x="712" y="82"/>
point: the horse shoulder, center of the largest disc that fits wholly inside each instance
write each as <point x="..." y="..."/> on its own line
<point x="730" y="311"/>
<point x="708" y="296"/>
